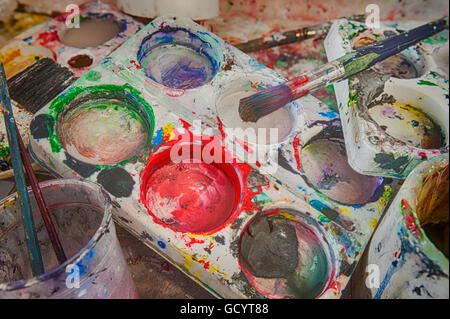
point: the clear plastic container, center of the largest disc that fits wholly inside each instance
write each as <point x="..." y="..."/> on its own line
<point x="96" y="268"/>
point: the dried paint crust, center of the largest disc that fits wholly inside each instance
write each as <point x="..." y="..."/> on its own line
<point x="211" y="257"/>
<point x="392" y="121"/>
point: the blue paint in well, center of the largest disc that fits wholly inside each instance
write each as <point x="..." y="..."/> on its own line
<point x="179" y="58"/>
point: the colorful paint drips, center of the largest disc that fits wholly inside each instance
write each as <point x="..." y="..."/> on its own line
<point x="408" y="124"/>
<point x="325" y="166"/>
<point x="283" y="257"/>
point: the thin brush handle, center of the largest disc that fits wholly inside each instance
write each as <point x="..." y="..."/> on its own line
<point x="361" y="59"/>
<point x="34" y="252"/>
<point x="370" y="55"/>
<point x="52" y="234"/>
<point x="292" y="36"/>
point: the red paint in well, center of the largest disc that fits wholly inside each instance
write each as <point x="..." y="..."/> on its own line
<point x="193" y="213"/>
<point x="195" y="197"/>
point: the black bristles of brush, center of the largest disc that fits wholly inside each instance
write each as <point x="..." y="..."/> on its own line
<point x="40" y="83"/>
<point x="265" y="102"/>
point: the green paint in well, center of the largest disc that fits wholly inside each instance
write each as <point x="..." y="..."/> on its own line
<point x="132" y="96"/>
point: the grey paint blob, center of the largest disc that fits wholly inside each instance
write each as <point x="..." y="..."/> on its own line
<point x="269" y="248"/>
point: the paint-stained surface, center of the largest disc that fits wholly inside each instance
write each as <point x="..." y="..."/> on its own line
<point x="160" y="201"/>
<point x="77" y="55"/>
<point x="46" y="39"/>
<point x="410" y="246"/>
<point x="395" y="115"/>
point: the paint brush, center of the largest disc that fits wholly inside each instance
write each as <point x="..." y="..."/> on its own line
<point x="292" y="36"/>
<point x="253" y="107"/>
<point x="37" y="85"/>
<point x="52" y="234"/>
<point x="34" y="253"/>
<point x="40" y="83"/>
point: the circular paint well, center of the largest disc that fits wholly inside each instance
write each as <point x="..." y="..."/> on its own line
<point x="407" y="124"/>
<point x="282" y="257"/>
<point x="408" y="64"/>
<point x="103" y="131"/>
<point x="254" y="132"/>
<point x="91" y="33"/>
<point x="325" y="166"/>
<point x="399" y="66"/>
<point x="180" y="59"/>
<point x="190" y="197"/>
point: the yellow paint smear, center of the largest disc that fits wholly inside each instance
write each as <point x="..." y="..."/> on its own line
<point x="203" y="261"/>
<point x="168" y="132"/>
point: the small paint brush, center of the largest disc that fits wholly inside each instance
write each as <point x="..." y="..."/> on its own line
<point x="292" y="36"/>
<point x="269" y="100"/>
<point x="52" y="234"/>
<point x="34" y="252"/>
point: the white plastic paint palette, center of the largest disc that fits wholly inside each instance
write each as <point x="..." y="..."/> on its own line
<point x="395" y="115"/>
<point x="237" y="232"/>
<point x="101" y="29"/>
<point x="78" y="49"/>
